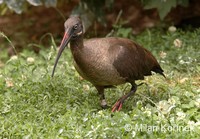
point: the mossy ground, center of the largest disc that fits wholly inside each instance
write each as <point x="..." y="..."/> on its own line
<point x="34" y="105"/>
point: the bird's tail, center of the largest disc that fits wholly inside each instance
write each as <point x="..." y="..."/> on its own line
<point x="159" y="71"/>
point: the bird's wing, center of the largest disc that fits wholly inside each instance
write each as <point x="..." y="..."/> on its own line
<point x="132" y="61"/>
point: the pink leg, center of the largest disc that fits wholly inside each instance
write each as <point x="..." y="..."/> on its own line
<point x="118" y="105"/>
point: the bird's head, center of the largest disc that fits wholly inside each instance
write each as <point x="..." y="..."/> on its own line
<point x="73" y="30"/>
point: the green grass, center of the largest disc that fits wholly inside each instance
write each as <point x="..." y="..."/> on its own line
<point x="34" y="105"/>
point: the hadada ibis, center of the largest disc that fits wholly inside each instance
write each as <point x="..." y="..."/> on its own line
<point x="107" y="62"/>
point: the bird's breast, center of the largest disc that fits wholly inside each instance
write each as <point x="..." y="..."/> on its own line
<point x="96" y="66"/>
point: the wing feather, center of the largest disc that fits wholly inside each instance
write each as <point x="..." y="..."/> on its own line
<point x="131" y="60"/>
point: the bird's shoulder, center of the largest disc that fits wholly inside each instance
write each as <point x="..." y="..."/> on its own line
<point x="127" y="56"/>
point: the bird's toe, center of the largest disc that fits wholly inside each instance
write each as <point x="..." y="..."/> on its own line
<point x="117" y="106"/>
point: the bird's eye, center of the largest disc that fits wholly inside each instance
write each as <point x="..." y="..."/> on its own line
<point x="75" y="26"/>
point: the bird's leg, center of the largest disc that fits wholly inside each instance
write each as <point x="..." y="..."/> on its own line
<point x="100" y="90"/>
<point x="119" y="103"/>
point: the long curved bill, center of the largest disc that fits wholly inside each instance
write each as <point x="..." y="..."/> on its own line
<point x="65" y="41"/>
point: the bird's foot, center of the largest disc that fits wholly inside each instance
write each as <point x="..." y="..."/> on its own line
<point x="118" y="105"/>
<point x="104" y="104"/>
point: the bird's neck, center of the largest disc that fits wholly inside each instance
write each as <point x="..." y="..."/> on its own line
<point x="77" y="43"/>
<point x="76" y="47"/>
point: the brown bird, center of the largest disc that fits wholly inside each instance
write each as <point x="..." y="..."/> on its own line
<point x="107" y="62"/>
